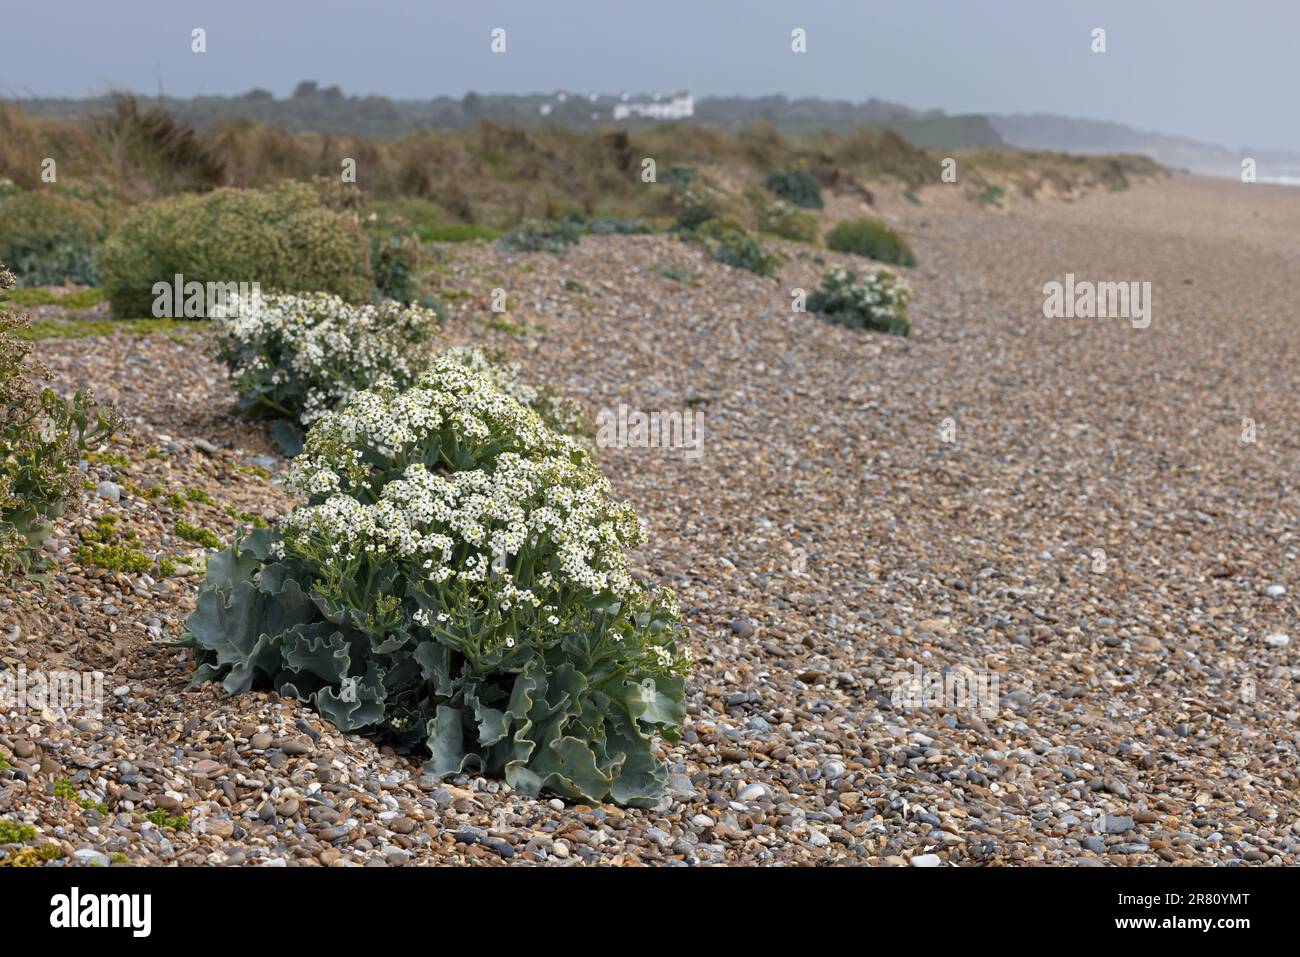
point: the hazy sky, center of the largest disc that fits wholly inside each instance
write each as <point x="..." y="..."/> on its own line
<point x="1225" y="71"/>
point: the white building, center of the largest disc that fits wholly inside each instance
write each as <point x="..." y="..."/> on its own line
<point x="678" y="105"/>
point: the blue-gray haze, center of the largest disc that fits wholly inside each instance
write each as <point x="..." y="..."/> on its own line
<point x="1225" y="72"/>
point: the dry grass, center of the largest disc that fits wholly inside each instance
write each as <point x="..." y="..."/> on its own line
<point x="496" y="176"/>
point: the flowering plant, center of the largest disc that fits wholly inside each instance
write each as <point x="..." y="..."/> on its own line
<point x="874" y="300"/>
<point x="455" y="579"/>
<point x="297" y="357"/>
<point x="42" y="436"/>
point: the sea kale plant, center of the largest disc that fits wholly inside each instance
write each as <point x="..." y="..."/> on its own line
<point x="876" y="299"/>
<point x="871" y="238"/>
<point x="559" y="412"/>
<point x="455" y="581"/>
<point x="297" y="357"/>
<point x="42" y="438"/>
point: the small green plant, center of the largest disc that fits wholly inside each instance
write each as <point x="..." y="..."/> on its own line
<point x="113" y="459"/>
<point x="876" y="299"/>
<point x="572" y="285"/>
<point x="552" y="236"/>
<point x="50" y="238"/>
<point x="15" y="833"/>
<point x="117" y="558"/>
<point x="911" y="197"/>
<point x="42" y="437"/>
<point x="104" y="530"/>
<point x="33" y="856"/>
<point x="64" y="788"/>
<point x="798" y="186"/>
<point x="197" y="534"/>
<point x="870" y="238"/>
<point x="249" y="517"/>
<point x="992" y="196"/>
<point x="160" y="818"/>
<point x="195" y="494"/>
<point x="729" y="244"/>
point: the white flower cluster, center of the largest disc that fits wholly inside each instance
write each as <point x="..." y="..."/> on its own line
<point x="543" y="500"/>
<point x="502" y="373"/>
<point x="878" y="296"/>
<point x="560" y="412"/>
<point x="315" y="351"/>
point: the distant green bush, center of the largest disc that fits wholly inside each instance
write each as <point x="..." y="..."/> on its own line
<point x="285" y="238"/>
<point x="728" y="243"/>
<point x="614" y="226"/>
<point x="871" y="238"/>
<point x="49" y="238"/>
<point x="873" y="300"/>
<point x="552" y="236"/>
<point x="783" y="219"/>
<point x="798" y="186"/>
<point x="394" y="261"/>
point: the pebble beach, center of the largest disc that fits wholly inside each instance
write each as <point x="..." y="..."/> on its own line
<point x="1099" y="520"/>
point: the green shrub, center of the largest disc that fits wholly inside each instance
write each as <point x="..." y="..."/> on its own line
<point x="283" y="238"/>
<point x="456" y="581"/>
<point x="297" y="357"/>
<point x="784" y="220"/>
<point x="728" y="243"/>
<point x="50" y="238"/>
<point x="877" y="299"/>
<point x="615" y="226"/>
<point x="42" y="437"/>
<point x="798" y="186"/>
<point x="871" y="238"/>
<point x="550" y="235"/>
